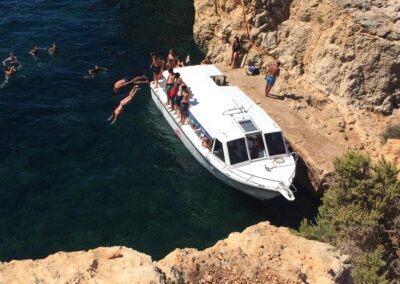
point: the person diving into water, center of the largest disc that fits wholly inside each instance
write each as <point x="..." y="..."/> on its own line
<point x="117" y="112"/>
<point x="140" y="80"/>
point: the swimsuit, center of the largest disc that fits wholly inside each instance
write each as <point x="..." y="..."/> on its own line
<point x="270" y="80"/>
<point x="184" y="107"/>
<point x="157" y="70"/>
<point x="178" y="99"/>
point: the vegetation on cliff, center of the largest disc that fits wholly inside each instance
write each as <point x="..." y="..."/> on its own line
<point x="360" y="215"/>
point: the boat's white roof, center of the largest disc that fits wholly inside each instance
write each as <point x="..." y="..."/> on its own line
<point x="216" y="108"/>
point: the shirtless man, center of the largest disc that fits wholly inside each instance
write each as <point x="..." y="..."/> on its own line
<point x="184" y="106"/>
<point x="53" y="49"/>
<point x="140" y="80"/>
<point x="11" y="60"/>
<point x="169" y="84"/>
<point x="172" y="60"/>
<point x="272" y="74"/>
<point x="96" y="70"/>
<point x="158" y="66"/>
<point x="117" y="112"/>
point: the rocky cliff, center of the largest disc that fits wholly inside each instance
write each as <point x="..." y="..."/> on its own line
<point x="260" y="254"/>
<point x="344" y="49"/>
<point x="340" y="75"/>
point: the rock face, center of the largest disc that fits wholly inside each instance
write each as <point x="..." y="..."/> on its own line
<point x="340" y="48"/>
<point x="340" y="72"/>
<point x="260" y="254"/>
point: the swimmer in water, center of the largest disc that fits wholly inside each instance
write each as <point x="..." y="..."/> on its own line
<point x="117" y="112"/>
<point x="34" y="52"/>
<point x="140" y="80"/>
<point x="53" y="49"/>
<point x="11" y="60"/>
<point x="9" y="71"/>
<point x="96" y="70"/>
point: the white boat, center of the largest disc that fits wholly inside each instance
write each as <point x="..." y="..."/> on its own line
<point x="247" y="149"/>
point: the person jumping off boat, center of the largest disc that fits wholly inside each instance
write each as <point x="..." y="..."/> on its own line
<point x="272" y="73"/>
<point x="117" y="112"/>
<point x="140" y="80"/>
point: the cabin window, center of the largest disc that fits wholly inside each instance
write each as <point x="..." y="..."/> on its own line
<point x="256" y="146"/>
<point x="219" y="150"/>
<point x="275" y="143"/>
<point x="237" y="151"/>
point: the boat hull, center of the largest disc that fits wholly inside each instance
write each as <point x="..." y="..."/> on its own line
<point x="256" y="192"/>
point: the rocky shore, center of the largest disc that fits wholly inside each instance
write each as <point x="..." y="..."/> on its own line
<point x="260" y="254"/>
<point x="339" y="87"/>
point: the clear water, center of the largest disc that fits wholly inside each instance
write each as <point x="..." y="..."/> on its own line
<point x="68" y="180"/>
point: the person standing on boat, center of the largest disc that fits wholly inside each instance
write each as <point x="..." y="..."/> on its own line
<point x="184" y="106"/>
<point x="158" y="65"/>
<point x="175" y="89"/>
<point x="117" y="112"/>
<point x="172" y="60"/>
<point x="236" y="47"/>
<point x="169" y="84"/>
<point x="178" y="99"/>
<point x="272" y="74"/>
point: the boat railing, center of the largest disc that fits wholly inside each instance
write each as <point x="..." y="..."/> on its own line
<point x="280" y="184"/>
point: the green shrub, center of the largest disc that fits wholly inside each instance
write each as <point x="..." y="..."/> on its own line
<point x="359" y="209"/>
<point x="368" y="266"/>
<point x="392" y="132"/>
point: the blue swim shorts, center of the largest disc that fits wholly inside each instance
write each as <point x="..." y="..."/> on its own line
<point x="270" y="80"/>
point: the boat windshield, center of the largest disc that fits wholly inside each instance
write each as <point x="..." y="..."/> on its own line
<point x="256" y="146"/>
<point x="237" y="151"/>
<point x="218" y="150"/>
<point x="275" y="143"/>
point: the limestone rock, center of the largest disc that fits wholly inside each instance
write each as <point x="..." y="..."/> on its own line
<point x="260" y="254"/>
<point x="101" y="265"/>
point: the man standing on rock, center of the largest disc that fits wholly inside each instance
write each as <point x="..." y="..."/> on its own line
<point x="272" y="74"/>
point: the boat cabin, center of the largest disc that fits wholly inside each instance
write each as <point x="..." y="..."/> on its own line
<point x="248" y="144"/>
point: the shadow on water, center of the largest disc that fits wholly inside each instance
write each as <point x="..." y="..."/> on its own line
<point x="68" y="180"/>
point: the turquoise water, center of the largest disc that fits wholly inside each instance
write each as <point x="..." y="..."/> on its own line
<point x="68" y="180"/>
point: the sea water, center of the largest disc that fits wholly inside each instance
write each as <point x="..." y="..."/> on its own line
<point x="68" y="180"/>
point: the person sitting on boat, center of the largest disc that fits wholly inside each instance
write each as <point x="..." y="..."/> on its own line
<point x="169" y="84"/>
<point x="12" y="60"/>
<point x="180" y="62"/>
<point x="206" y="61"/>
<point x="158" y="67"/>
<point x="172" y="60"/>
<point x="205" y="142"/>
<point x="140" y="80"/>
<point x="117" y="112"/>
<point x="53" y="49"/>
<point x="184" y="106"/>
